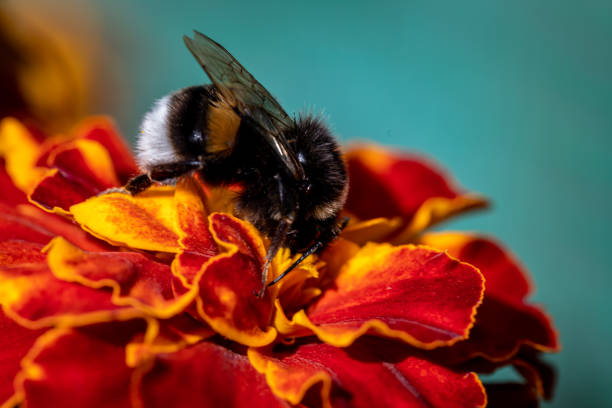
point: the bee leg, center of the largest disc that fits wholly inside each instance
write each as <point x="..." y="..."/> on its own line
<point x="162" y="173"/>
<point x="168" y="171"/>
<point x="138" y="184"/>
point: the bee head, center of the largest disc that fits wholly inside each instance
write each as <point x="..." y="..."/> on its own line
<point x="323" y="192"/>
<point x="313" y="203"/>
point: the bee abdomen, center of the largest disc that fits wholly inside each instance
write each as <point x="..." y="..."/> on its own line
<point x="185" y="126"/>
<point x="154" y="145"/>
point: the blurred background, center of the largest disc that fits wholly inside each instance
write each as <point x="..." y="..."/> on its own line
<point x="513" y="98"/>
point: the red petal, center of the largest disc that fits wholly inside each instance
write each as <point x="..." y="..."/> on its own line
<point x="135" y="280"/>
<point x="401" y="183"/>
<point x="192" y="219"/>
<point x="86" y="161"/>
<point x="28" y="223"/>
<point x="372" y="230"/>
<point x="228" y="288"/>
<point x="411" y="195"/>
<point x="61" y="226"/>
<point x="11" y="195"/>
<point x="206" y="375"/>
<point x="14" y="226"/>
<point x="35" y="298"/>
<point x="505" y="321"/>
<point x="540" y="376"/>
<point x="505" y="277"/>
<point x="56" y="192"/>
<point x="146" y="221"/>
<point x="166" y="336"/>
<point x="15" y="341"/>
<point x="17" y="252"/>
<point x="416" y="294"/>
<point x="103" y="131"/>
<point x="80" y="170"/>
<point x="368" y="374"/>
<point x="501" y="329"/>
<point x="335" y="256"/>
<point x="196" y="241"/>
<point x="80" y="368"/>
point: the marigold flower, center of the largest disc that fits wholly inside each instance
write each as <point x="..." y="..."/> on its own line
<point x="148" y="300"/>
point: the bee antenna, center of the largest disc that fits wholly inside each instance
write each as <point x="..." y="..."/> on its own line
<point x="314" y="248"/>
<point x="305" y="255"/>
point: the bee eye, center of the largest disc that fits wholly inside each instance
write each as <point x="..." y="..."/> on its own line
<point x="306" y="187"/>
<point x="196" y="137"/>
<point x="301" y="158"/>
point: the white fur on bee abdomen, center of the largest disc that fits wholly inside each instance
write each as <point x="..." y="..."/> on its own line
<point x="154" y="146"/>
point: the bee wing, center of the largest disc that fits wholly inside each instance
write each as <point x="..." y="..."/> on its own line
<point x="242" y="91"/>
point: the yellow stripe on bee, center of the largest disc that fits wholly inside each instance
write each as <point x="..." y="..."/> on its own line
<point x="222" y="124"/>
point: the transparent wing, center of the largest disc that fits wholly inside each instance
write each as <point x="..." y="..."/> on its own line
<point x="242" y="91"/>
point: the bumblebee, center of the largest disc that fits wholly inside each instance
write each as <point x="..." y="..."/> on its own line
<point x="294" y="181"/>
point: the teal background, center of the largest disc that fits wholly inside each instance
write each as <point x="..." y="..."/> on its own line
<point x="513" y="98"/>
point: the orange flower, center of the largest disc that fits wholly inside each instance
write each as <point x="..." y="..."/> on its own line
<point x="148" y="300"/>
<point x="55" y="68"/>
